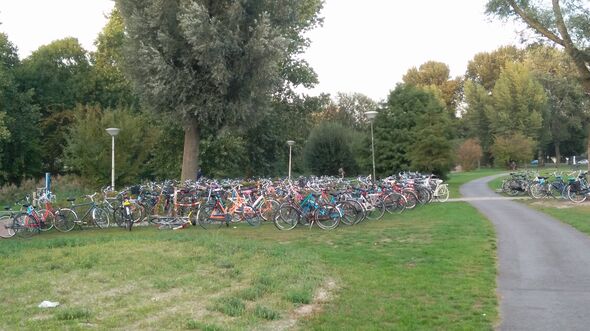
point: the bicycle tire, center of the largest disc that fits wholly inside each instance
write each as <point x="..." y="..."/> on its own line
<point x="269" y="209"/>
<point x="47" y="220"/>
<point x="537" y="191"/>
<point x="65" y="219"/>
<point x="287" y="217"/>
<point x="25" y="226"/>
<point x="251" y="216"/>
<point x="395" y="203"/>
<point x="327" y="216"/>
<point x="443" y="193"/>
<point x="6" y="226"/>
<point x="575" y="196"/>
<point x="100" y="217"/>
<point x="206" y="221"/>
<point x="375" y="212"/>
<point x="349" y="214"/>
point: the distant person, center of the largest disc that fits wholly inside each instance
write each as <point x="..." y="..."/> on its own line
<point x="512" y="165"/>
<point x="341" y="172"/>
<point x="199" y="173"/>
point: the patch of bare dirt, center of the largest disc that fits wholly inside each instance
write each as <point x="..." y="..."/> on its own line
<point x="322" y="296"/>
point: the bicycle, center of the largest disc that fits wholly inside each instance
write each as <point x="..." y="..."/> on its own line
<point x="308" y="212"/>
<point x="93" y="215"/>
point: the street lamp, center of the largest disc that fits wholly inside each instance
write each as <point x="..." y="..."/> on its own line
<point x="371" y="117"/>
<point x="290" y="143"/>
<point x="113" y="132"/>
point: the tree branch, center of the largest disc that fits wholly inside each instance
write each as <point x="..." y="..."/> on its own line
<point x="536" y="25"/>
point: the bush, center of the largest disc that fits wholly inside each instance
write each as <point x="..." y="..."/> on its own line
<point x="515" y="147"/>
<point x="328" y="149"/>
<point x="469" y="153"/>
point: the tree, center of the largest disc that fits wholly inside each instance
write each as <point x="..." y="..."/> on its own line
<point x="215" y="63"/>
<point x="475" y="117"/>
<point x="327" y="149"/>
<point x="88" y="147"/>
<point x="19" y="129"/>
<point x="112" y="88"/>
<point x="517" y="103"/>
<point x="407" y="121"/>
<point x="485" y="68"/>
<point x="436" y="76"/>
<point x="356" y="105"/>
<point x="567" y="107"/>
<point x="60" y="76"/>
<point x="565" y="26"/>
<point x="469" y="154"/>
<point x="514" y="147"/>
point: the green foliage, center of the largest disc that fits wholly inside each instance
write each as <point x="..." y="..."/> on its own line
<point x="435" y="77"/>
<point x="61" y="77"/>
<point x="328" y="149"/>
<point x="516" y="147"/>
<point x="431" y="151"/>
<point x="468" y="154"/>
<point x="404" y="127"/>
<point x="485" y="68"/>
<point x="112" y="89"/>
<point x="19" y="130"/>
<point x="88" y="150"/>
<point x="475" y="118"/>
<point x="215" y="63"/>
<point x="223" y="156"/>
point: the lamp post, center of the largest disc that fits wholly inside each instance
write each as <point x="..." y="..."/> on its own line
<point x="290" y="143"/>
<point x="371" y="117"/>
<point x="113" y="132"/>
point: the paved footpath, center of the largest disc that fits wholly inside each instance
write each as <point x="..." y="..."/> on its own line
<point x="544" y="265"/>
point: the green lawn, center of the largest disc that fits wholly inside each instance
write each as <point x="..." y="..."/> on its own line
<point x="429" y="269"/>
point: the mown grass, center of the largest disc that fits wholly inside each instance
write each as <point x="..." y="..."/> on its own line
<point x="432" y="268"/>
<point x="576" y="215"/>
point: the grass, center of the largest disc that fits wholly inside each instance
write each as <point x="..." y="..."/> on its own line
<point x="567" y="212"/>
<point x="430" y="268"/>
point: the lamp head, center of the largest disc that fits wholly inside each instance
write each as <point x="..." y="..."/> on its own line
<point x="371" y="115"/>
<point x="113" y="131"/>
<point x="290" y="142"/>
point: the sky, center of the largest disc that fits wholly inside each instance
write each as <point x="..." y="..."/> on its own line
<point x="364" y="46"/>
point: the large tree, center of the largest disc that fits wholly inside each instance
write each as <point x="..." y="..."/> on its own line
<point x="435" y="76"/>
<point x="215" y="63"/>
<point x="564" y="23"/>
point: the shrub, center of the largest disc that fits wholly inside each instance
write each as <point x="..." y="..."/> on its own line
<point x="328" y="149"/>
<point x="514" y="147"/>
<point x="469" y="153"/>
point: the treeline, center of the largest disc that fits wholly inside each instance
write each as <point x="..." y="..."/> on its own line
<point x="511" y="105"/>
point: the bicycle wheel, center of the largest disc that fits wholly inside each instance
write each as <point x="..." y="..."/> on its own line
<point x="443" y="193"/>
<point x="375" y="211"/>
<point x="6" y="227"/>
<point x="327" y="217"/>
<point x="250" y="215"/>
<point x="537" y="191"/>
<point x="268" y="210"/>
<point x="395" y="203"/>
<point x="137" y="212"/>
<point x="207" y="219"/>
<point x="287" y="217"/>
<point x="25" y="226"/>
<point x="575" y="195"/>
<point x="65" y="219"/>
<point x="557" y="190"/>
<point x="47" y="220"/>
<point x="424" y="195"/>
<point x="349" y="212"/>
<point x="100" y="217"/>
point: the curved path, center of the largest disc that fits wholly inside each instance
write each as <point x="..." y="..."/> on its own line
<point x="544" y="265"/>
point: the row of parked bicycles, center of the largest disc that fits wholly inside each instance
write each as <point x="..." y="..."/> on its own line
<point x="326" y="202"/>
<point x="572" y="186"/>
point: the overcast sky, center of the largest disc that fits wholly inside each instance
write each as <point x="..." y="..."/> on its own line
<point x="364" y="46"/>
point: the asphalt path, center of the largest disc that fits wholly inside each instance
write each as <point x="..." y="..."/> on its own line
<point x="544" y="265"/>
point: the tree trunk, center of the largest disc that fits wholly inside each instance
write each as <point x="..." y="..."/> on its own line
<point x="557" y="154"/>
<point x="190" y="156"/>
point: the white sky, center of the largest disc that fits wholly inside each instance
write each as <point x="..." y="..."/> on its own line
<point x="364" y="46"/>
